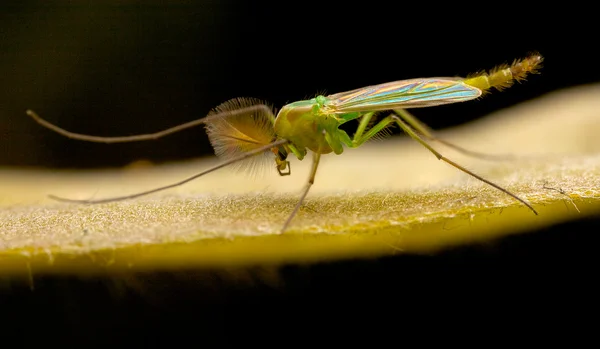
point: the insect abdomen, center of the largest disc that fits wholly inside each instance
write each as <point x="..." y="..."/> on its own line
<point x="505" y="75"/>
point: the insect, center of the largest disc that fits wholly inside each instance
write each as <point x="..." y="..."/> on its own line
<point x="245" y="131"/>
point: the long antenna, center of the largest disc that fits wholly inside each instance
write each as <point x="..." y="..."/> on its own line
<point x="148" y="136"/>
<point x="228" y="162"/>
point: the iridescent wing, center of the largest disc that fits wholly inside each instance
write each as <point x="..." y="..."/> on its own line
<point x="413" y="93"/>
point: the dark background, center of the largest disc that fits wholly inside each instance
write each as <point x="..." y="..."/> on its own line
<point x="129" y="67"/>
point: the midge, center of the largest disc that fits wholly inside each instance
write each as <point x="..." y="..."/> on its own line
<point x="247" y="129"/>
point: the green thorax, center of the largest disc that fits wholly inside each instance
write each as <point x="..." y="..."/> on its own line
<point x="304" y="124"/>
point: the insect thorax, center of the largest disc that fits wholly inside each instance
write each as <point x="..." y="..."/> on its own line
<point x="303" y="124"/>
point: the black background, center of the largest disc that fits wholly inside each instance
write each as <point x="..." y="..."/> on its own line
<point x="122" y="68"/>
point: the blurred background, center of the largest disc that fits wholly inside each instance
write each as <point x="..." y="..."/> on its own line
<point x="128" y="67"/>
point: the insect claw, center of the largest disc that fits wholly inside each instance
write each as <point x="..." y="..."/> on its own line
<point x="289" y="171"/>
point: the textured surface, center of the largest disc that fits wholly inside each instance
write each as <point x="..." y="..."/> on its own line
<point x="386" y="197"/>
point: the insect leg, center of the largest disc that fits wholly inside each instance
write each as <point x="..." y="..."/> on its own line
<point x="416" y="137"/>
<point x="364" y="122"/>
<point x="393" y="118"/>
<point x="361" y="137"/>
<point x="311" y="181"/>
<point x="427" y="133"/>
